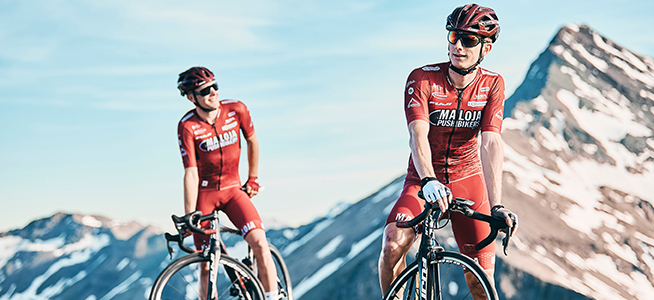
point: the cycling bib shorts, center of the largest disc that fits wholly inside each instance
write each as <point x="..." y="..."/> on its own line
<point x="235" y="203"/>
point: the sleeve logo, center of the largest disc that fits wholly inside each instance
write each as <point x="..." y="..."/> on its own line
<point x="413" y="103"/>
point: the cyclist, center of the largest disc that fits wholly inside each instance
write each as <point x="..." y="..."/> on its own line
<point x="209" y="139"/>
<point x="446" y="106"/>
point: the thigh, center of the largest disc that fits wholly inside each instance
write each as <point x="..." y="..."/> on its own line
<point x="468" y="232"/>
<point x="208" y="201"/>
<point x="240" y="210"/>
<point x="408" y="205"/>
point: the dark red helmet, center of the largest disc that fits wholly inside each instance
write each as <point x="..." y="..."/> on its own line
<point x="475" y="19"/>
<point x="193" y="78"/>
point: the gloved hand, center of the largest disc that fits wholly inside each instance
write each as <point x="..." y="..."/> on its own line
<point x="511" y="218"/>
<point x="251" y="187"/>
<point x="436" y="192"/>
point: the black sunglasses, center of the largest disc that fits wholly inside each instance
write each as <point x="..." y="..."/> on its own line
<point x="206" y="91"/>
<point x="468" y="40"/>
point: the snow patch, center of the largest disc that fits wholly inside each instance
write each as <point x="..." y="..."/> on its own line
<point x="393" y="189"/>
<point x="8" y="248"/>
<point x="310" y="282"/>
<point x="572" y="27"/>
<point x="91" y="222"/>
<point x="122" y="264"/>
<point x="122" y="287"/>
<point x="290" y="233"/>
<point x="307" y="237"/>
<point x="646" y="94"/>
<point x="540" y="104"/>
<point x="645" y="78"/>
<point x="328" y="269"/>
<point x="79" y="256"/>
<point x="329" y="248"/>
<point x="240" y="249"/>
<point x="624" y="251"/>
<point x="610" y="117"/>
<point x="599" y="63"/>
<point x="552" y="141"/>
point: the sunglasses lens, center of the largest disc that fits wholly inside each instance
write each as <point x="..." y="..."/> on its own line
<point x="206" y="91"/>
<point x="467" y="40"/>
<point x="452" y="37"/>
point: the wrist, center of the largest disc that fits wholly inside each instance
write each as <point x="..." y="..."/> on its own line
<point x="427" y="179"/>
<point x="496" y="207"/>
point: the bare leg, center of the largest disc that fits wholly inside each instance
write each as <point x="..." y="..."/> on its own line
<point x="475" y="288"/>
<point x="265" y="265"/>
<point x="396" y="243"/>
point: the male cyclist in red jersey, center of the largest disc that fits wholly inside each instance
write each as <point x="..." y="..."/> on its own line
<point x="209" y="139"/>
<point x="447" y="105"/>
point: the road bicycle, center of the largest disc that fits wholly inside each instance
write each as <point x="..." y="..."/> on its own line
<point x="439" y="274"/>
<point x="229" y="278"/>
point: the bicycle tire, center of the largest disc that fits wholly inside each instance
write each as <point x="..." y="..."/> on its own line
<point x="284" y="286"/>
<point x="179" y="280"/>
<point x="451" y="266"/>
<point x="284" y="281"/>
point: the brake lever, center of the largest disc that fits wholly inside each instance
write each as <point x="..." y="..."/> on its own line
<point x="171" y="238"/>
<point x="508" y="233"/>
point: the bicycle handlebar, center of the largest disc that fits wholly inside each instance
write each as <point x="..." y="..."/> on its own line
<point x="192" y="223"/>
<point x="461" y="206"/>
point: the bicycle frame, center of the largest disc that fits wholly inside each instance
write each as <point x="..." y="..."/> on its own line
<point x="427" y="253"/>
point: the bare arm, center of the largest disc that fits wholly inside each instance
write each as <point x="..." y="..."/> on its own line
<point x="252" y="188"/>
<point x="420" y="150"/>
<point x="492" y="158"/>
<point x="191" y="181"/>
<point x="253" y="155"/>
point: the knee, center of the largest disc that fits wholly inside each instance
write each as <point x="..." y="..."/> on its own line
<point x="258" y="242"/>
<point x="396" y="243"/>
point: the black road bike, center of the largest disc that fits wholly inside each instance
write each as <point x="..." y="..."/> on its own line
<point x="439" y="274"/>
<point x="229" y="278"/>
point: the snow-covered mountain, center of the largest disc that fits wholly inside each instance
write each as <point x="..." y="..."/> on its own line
<point x="579" y="167"/>
<point x="579" y="171"/>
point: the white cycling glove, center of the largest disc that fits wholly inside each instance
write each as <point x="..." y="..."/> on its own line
<point x="433" y="190"/>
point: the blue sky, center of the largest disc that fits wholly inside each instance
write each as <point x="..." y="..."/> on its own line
<point x="89" y="107"/>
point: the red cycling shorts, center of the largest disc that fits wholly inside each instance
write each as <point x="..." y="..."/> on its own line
<point x="235" y="203"/>
<point x="467" y="232"/>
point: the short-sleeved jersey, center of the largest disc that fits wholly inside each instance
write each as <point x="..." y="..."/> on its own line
<point x="455" y="116"/>
<point x="215" y="149"/>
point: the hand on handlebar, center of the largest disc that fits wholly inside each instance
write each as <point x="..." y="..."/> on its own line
<point x="435" y="192"/>
<point x="498" y="211"/>
<point x="251" y="187"/>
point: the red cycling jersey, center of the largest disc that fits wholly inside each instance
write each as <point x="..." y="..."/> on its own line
<point x="215" y="149"/>
<point x="455" y="116"/>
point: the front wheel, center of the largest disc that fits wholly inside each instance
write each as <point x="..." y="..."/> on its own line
<point x="180" y="280"/>
<point x="450" y="267"/>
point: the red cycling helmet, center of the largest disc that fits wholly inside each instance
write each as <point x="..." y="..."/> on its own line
<point x="193" y="78"/>
<point x="475" y="19"/>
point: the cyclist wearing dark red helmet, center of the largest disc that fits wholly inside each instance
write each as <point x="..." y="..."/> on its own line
<point x="210" y="142"/>
<point x="448" y="107"/>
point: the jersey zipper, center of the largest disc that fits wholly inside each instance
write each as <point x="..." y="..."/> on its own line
<point x="220" y="147"/>
<point x="449" y="140"/>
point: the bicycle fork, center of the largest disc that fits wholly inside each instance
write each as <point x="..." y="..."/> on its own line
<point x="214" y="258"/>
